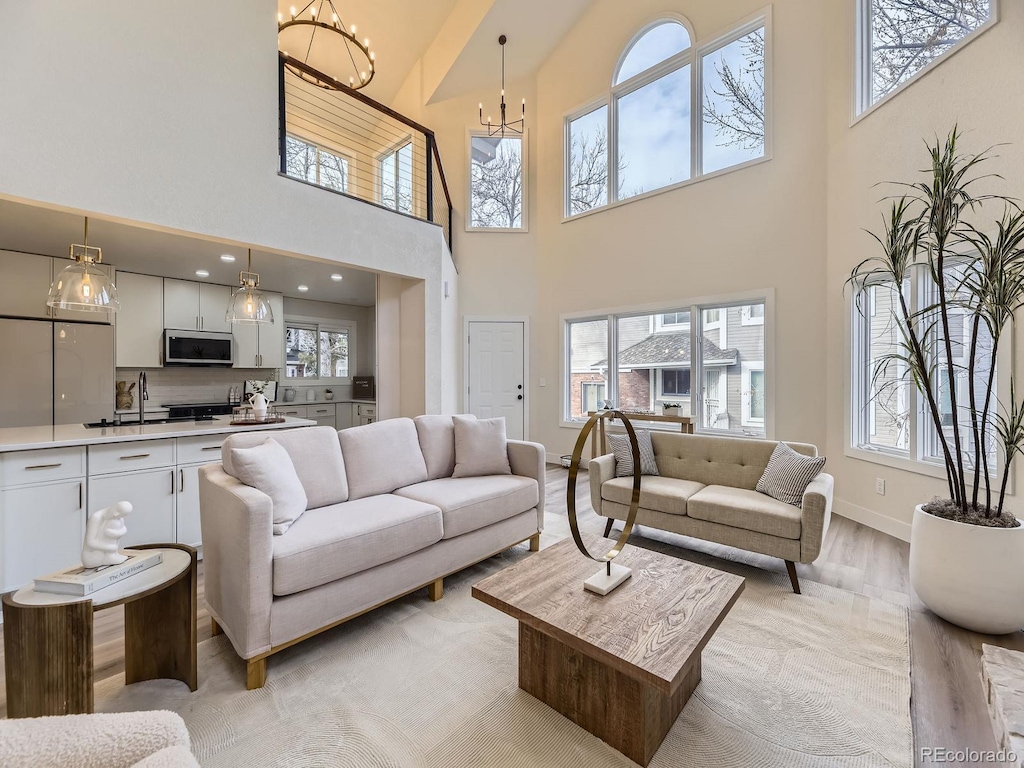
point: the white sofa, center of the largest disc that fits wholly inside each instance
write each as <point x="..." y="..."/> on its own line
<point x="384" y="517"/>
<point x="706" y="489"/>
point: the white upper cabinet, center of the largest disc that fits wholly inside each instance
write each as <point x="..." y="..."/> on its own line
<point x="213" y="307"/>
<point x="140" y="323"/>
<point x="25" y="285"/>
<point x="181" y="305"/>
<point x="272" y="334"/>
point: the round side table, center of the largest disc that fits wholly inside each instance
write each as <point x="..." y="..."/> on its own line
<point x="48" y="638"/>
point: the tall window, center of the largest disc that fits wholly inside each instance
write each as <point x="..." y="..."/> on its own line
<point x="314" y="164"/>
<point x="899" y="38"/>
<point x="318" y="350"/>
<point x="652" y="359"/>
<point x="675" y="112"/>
<point x="497" y="193"/>
<point x="396" y="179"/>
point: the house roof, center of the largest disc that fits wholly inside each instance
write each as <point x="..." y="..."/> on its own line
<point x="666" y="350"/>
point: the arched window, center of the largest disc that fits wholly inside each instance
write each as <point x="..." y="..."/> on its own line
<point x="661" y="41"/>
<point x="675" y="111"/>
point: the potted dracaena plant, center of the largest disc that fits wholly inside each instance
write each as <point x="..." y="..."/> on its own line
<point x="967" y="549"/>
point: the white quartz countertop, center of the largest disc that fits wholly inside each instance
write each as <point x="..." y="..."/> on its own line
<point x="64" y="435"/>
<point x="280" y="403"/>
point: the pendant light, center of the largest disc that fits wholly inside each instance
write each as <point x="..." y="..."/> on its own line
<point x="83" y="285"/>
<point x="515" y="126"/>
<point x="248" y="304"/>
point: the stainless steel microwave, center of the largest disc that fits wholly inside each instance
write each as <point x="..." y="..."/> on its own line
<point x="198" y="348"/>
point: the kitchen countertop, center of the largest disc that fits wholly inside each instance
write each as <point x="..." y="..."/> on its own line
<point x="321" y="401"/>
<point x="64" y="435"/>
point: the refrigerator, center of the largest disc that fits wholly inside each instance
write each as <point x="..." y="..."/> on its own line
<point x="55" y="373"/>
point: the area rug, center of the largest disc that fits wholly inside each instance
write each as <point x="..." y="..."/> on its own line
<point x="819" y="679"/>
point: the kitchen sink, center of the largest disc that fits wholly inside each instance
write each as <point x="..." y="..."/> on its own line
<point x="135" y="422"/>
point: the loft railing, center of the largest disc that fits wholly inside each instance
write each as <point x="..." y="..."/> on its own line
<point x="346" y="142"/>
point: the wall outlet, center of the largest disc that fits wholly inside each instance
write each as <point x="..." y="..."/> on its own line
<point x="880" y="486"/>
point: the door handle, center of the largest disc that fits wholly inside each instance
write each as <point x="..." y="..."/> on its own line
<point x="520" y="386"/>
<point x="520" y="397"/>
<point x="45" y="466"/>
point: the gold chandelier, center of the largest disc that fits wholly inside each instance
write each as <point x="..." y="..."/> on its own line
<point x="333" y="53"/>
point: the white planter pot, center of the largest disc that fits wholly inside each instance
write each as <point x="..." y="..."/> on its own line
<point x="969" y="575"/>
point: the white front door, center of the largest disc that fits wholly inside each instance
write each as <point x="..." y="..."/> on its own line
<point x="497" y="385"/>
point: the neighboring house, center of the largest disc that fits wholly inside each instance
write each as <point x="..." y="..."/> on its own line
<point x="655" y="365"/>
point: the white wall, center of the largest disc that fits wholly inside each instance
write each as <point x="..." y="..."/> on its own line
<point x="166" y="115"/>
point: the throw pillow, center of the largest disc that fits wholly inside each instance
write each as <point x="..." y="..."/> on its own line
<point x="268" y="467"/>
<point x="624" y="454"/>
<point x="788" y="474"/>
<point x="480" y="447"/>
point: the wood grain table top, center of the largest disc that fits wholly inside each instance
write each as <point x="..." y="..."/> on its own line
<point x="651" y="628"/>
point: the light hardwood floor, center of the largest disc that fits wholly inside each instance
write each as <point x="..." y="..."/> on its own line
<point x="948" y="702"/>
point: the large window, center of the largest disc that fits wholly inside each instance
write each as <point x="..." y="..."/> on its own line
<point x="497" y="186"/>
<point x="314" y="164"/>
<point x="898" y="39"/>
<point x="675" y="112"/>
<point x="395" y="169"/>
<point x="655" y="358"/>
<point x="889" y="416"/>
<point x="319" y="351"/>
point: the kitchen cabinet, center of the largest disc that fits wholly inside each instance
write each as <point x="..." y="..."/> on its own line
<point x="82" y="315"/>
<point x="364" y="413"/>
<point x="25" y="285"/>
<point x="343" y="416"/>
<point x="261" y="345"/>
<point x="298" y="411"/>
<point x="192" y="306"/>
<point x="139" y="327"/>
<point x="43" y="527"/>
<point x="324" y="414"/>
<point x="150" y="492"/>
<point x="193" y="453"/>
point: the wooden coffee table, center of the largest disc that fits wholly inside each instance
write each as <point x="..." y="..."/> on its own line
<point x="621" y="666"/>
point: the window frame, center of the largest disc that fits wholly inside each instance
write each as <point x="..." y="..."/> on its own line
<point x="857" y="392"/>
<point x="693" y="56"/>
<point x="861" y="105"/>
<point x="321" y="324"/>
<point x="349" y="159"/>
<point x="746" y="369"/>
<point x="525" y="149"/>
<point x="695" y="304"/>
<point x="659" y="391"/>
<point x="392" y="150"/>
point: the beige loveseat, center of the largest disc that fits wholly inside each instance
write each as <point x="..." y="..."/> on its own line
<point x="706" y="489"/>
<point x="384" y="517"/>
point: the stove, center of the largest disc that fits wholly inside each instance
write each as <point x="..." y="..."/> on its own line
<point x="197" y="411"/>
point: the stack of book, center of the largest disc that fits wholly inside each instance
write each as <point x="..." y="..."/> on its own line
<point x="81" y="581"/>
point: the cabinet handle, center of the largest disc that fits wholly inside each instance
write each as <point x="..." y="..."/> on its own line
<point x="46" y="466"/>
<point x="181" y="481"/>
<point x="202" y="322"/>
<point x="172" y="482"/>
<point x="80" y="495"/>
<point x="211" y="448"/>
<point x="197" y="322"/>
<point x="135" y="456"/>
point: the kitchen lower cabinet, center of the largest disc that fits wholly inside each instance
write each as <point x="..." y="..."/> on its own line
<point x="343" y="419"/>
<point x="324" y="415"/>
<point x="152" y="495"/>
<point x="187" y="527"/>
<point x="43" y="527"/>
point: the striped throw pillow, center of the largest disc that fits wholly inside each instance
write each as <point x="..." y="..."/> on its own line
<point x="624" y="454"/>
<point x="788" y="474"/>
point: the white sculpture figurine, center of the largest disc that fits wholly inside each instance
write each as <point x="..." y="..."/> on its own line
<point x="103" y="531"/>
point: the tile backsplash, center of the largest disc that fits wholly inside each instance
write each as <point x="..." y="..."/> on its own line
<point x="211" y="385"/>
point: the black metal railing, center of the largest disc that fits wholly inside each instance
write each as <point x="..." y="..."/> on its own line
<point x="344" y="141"/>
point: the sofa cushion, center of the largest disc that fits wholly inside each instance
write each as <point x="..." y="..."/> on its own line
<point x="316" y="454"/>
<point x="329" y="543"/>
<point x="742" y="508"/>
<point x="382" y="456"/>
<point x="662" y="494"/>
<point x="268" y="468"/>
<point x="437" y="443"/>
<point x="788" y="474"/>
<point x="481" y="447"/>
<point x="469" y="503"/>
<point x="623" y="450"/>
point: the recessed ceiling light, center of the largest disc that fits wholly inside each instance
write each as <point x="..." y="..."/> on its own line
<point x="336" y="277"/>
<point x="227" y="257"/>
<point x="303" y="288"/>
<point x="202" y="273"/>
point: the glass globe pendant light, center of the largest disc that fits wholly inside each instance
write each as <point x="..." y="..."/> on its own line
<point x="83" y="285"/>
<point x="248" y="304"/>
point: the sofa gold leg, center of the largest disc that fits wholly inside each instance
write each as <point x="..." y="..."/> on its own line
<point x="255" y="673"/>
<point x="435" y="590"/>
<point x="535" y="542"/>
<point x="608" y="526"/>
<point x="215" y="628"/>
<point x="791" y="569"/>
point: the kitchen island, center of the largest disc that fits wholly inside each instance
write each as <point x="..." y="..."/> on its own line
<point x="51" y="477"/>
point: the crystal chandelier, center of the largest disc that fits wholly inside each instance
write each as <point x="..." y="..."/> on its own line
<point x="248" y="304"/>
<point x="333" y="53"/>
<point x="516" y="126"/>
<point x="82" y="285"/>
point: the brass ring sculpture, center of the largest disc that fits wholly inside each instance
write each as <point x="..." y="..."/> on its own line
<point x="574" y="468"/>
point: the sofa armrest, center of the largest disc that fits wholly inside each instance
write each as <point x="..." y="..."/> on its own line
<point x="816" y="515"/>
<point x="238" y="558"/>
<point x="117" y="740"/>
<point x="528" y="460"/>
<point x="601" y="470"/>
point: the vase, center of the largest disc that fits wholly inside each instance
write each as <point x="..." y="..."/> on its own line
<point x="970" y="575"/>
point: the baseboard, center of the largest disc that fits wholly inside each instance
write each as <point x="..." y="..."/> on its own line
<point x="872" y="519"/>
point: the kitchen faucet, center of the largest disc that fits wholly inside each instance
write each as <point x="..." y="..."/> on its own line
<point x="143" y="397"/>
